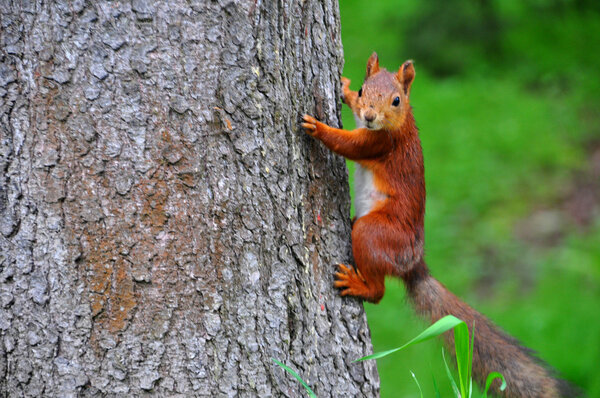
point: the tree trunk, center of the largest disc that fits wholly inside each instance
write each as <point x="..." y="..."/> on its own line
<point x="165" y="226"/>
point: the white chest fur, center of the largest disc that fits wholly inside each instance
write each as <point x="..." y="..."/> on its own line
<point x="363" y="191"/>
<point x="366" y="194"/>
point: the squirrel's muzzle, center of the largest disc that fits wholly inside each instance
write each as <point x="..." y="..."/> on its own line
<point x="370" y="116"/>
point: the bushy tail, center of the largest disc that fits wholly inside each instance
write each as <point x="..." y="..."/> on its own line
<point x="494" y="350"/>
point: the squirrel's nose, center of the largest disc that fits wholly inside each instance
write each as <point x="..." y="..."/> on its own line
<point x="369" y="117"/>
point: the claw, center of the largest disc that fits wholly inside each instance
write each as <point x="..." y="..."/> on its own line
<point x="309" y="119"/>
<point x="310" y="125"/>
<point x="360" y="275"/>
<point x="340" y="282"/>
<point x="343" y="268"/>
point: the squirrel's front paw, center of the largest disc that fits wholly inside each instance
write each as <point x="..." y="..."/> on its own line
<point x="345" y="82"/>
<point x="346" y="92"/>
<point x="310" y="124"/>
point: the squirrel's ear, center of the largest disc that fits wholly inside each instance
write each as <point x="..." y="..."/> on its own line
<point x="406" y="75"/>
<point x="372" y="64"/>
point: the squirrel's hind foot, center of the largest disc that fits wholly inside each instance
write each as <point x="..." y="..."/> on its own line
<point x="352" y="283"/>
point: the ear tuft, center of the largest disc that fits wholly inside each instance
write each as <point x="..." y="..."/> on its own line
<point x="406" y="75"/>
<point x="372" y="64"/>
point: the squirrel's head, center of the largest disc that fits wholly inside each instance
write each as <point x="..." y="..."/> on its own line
<point x="383" y="98"/>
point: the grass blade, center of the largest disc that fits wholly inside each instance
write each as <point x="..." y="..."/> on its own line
<point x="441" y="326"/>
<point x="470" y="361"/>
<point x="488" y="382"/>
<point x="452" y="382"/>
<point x="310" y="392"/>
<point x="461" y="346"/>
<point x="417" y="381"/>
<point x="435" y="387"/>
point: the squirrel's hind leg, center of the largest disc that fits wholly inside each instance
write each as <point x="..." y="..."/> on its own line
<point x="379" y="249"/>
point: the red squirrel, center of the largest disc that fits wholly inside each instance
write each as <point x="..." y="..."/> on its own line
<point x="388" y="233"/>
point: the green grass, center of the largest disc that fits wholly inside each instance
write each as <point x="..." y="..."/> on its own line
<point x="464" y="359"/>
<point x="463" y="345"/>
<point x="499" y="141"/>
<point x="295" y="375"/>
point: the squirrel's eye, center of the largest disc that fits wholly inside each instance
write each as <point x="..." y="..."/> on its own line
<point x="360" y="92"/>
<point x="396" y="101"/>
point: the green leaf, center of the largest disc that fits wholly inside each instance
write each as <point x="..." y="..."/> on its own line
<point x="441" y="326"/>
<point x="452" y="382"/>
<point x="470" y="388"/>
<point x="461" y="346"/>
<point x="417" y="381"/>
<point x="488" y="382"/>
<point x="435" y="387"/>
<point x="470" y="361"/>
<point x="290" y="371"/>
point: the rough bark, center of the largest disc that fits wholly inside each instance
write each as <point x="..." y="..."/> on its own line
<point x="165" y="227"/>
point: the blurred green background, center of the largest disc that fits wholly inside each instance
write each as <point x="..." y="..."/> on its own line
<point x="507" y="100"/>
